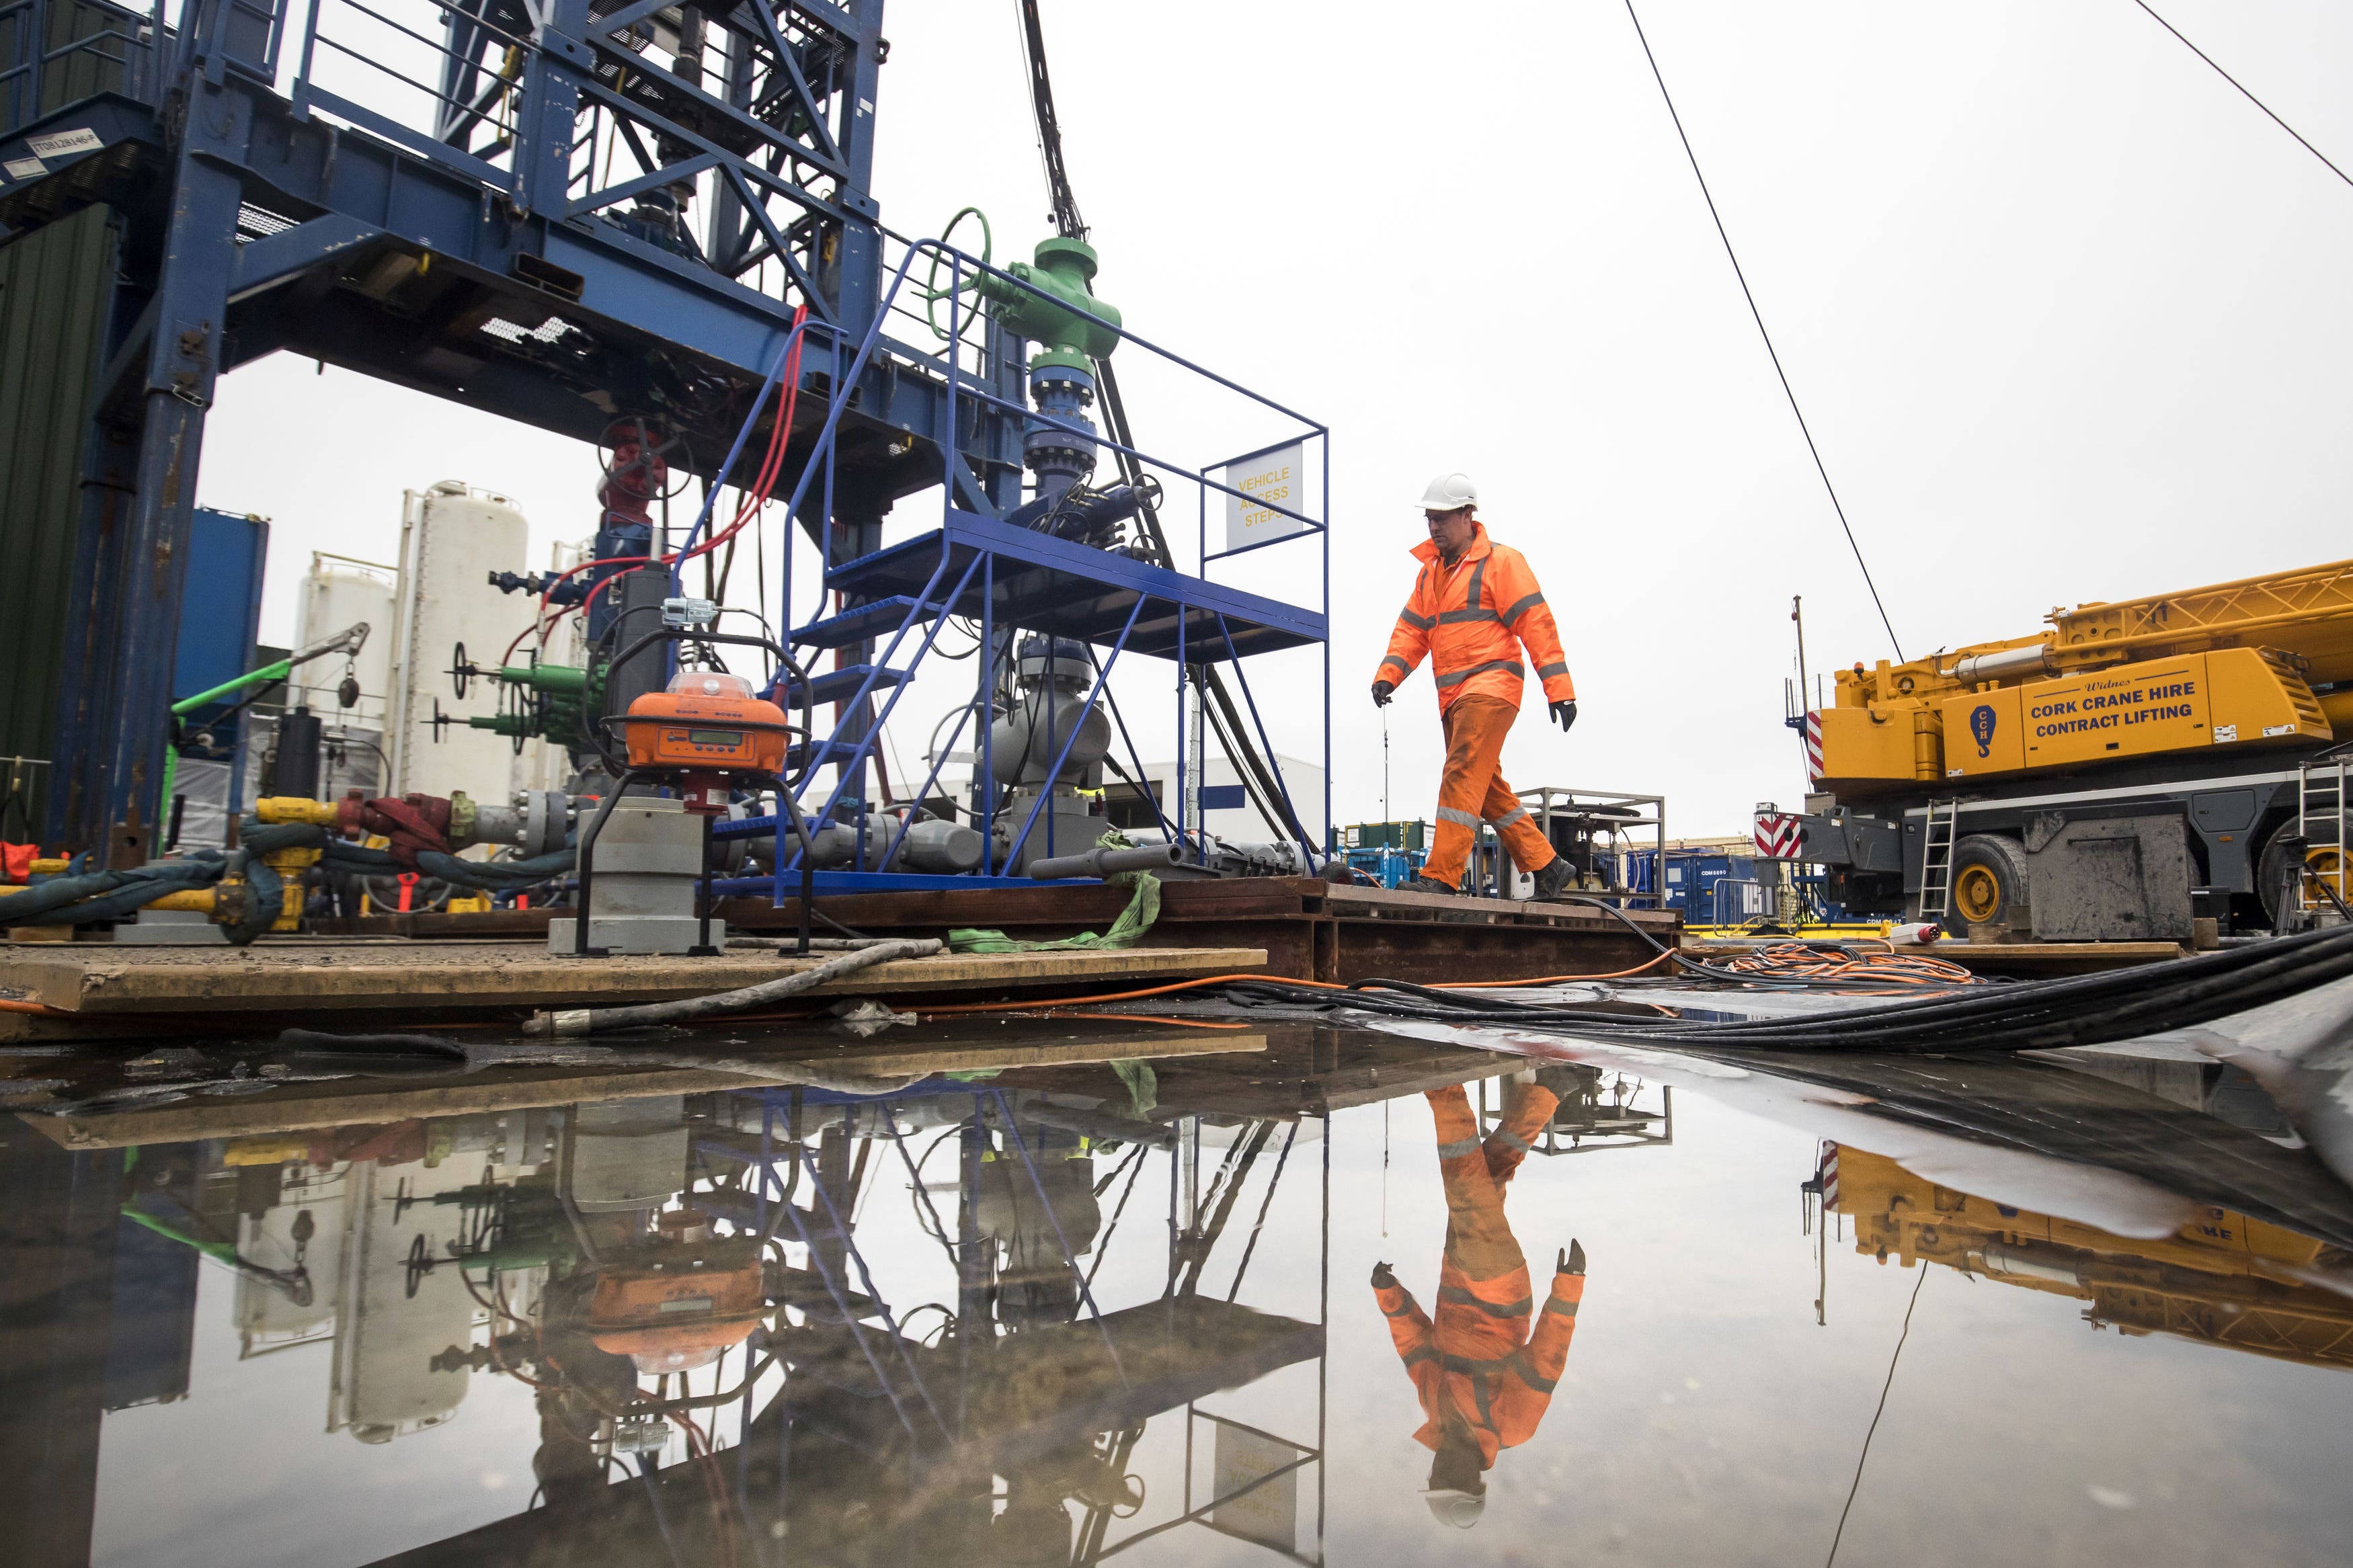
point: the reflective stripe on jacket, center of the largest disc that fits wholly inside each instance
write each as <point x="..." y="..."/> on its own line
<point x="1473" y="619"/>
<point x="1481" y="1357"/>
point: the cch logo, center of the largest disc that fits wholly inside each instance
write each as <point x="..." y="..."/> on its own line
<point x="1981" y="726"/>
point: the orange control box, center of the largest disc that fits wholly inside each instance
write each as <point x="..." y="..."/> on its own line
<point x="707" y="725"/>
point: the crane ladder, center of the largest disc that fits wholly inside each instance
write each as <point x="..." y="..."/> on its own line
<point x="1936" y="858"/>
<point x="2324" y="816"/>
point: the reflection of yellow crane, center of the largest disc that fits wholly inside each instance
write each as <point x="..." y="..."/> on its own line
<point x="2223" y="1278"/>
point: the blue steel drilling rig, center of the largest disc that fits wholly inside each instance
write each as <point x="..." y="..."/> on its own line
<point x="643" y="223"/>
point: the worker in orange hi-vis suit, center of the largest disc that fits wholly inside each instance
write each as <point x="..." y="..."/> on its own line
<point x="1473" y="607"/>
<point x="1483" y="1376"/>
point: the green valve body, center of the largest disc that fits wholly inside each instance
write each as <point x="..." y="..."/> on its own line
<point x="563" y="692"/>
<point x="556" y="679"/>
<point x="1073" y="330"/>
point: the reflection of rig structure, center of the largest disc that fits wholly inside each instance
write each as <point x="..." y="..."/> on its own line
<point x="678" y="1277"/>
<point x="2225" y="1279"/>
<point x="884" y="1317"/>
<point x="1604" y="1110"/>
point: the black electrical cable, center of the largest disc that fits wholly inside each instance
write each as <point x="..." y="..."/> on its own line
<point x="2038" y="1015"/>
<point x="2250" y="96"/>
<point x="1050" y="130"/>
<point x="1266" y="794"/>
<point x="1759" y="316"/>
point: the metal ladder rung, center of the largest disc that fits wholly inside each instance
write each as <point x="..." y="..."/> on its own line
<point x="1936" y="858"/>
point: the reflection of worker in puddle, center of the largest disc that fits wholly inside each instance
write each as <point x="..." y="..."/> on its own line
<point x="1482" y="1375"/>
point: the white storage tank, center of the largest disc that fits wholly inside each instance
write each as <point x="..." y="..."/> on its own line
<point x="338" y="591"/>
<point x="453" y="537"/>
<point x="396" y="1322"/>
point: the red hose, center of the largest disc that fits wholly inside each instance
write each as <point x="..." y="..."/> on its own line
<point x="764" y="484"/>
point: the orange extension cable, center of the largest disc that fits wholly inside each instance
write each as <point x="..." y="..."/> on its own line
<point x="1229" y="979"/>
<point x="1796" y="961"/>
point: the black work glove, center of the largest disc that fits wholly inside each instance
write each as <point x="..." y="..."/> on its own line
<point x="1382" y="1279"/>
<point x="1382" y="691"/>
<point x="1564" y="715"/>
<point x="1572" y="1261"/>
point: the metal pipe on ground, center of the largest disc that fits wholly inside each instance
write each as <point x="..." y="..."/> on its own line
<point x="1108" y="862"/>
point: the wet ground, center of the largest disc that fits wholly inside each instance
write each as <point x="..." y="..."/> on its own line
<point x="1119" y="1302"/>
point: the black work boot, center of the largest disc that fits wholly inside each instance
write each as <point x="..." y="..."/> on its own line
<point x="1562" y="1081"/>
<point x="1424" y="885"/>
<point x="1554" y="879"/>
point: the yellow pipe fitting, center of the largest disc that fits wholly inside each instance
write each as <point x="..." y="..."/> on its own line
<point x="283" y="808"/>
<point x="289" y="864"/>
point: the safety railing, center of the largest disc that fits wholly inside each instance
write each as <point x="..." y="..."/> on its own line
<point x="973" y="404"/>
<point x="418" y="73"/>
<point x="713" y="136"/>
<point x="54" y="53"/>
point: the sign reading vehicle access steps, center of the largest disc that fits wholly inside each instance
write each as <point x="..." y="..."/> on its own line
<point x="1272" y="486"/>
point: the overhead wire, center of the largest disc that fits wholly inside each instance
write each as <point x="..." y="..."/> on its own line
<point x="1759" y="316"/>
<point x="2250" y="96"/>
<point x="1865" y="1456"/>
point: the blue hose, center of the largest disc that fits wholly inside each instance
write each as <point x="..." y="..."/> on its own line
<point x="81" y="897"/>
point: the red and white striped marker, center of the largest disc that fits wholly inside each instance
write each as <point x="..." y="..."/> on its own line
<point x="1776" y="833"/>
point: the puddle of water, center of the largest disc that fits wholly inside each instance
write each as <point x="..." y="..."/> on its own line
<point x="1090" y="1309"/>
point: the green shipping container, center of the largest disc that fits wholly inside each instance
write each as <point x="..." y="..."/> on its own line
<point x="54" y="286"/>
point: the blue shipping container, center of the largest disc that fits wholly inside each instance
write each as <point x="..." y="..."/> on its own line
<point x="221" y="607"/>
<point x="1709" y="889"/>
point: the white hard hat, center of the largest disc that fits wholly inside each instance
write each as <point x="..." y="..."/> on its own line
<point x="1461" y="1509"/>
<point x="1449" y="492"/>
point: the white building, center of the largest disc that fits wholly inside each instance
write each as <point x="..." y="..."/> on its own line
<point x="1225" y="809"/>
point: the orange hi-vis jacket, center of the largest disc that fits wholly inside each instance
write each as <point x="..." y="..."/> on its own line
<point x="1474" y="1356"/>
<point x="1473" y="619"/>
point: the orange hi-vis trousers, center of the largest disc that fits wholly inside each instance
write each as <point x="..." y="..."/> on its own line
<point x="1472" y="791"/>
<point x="1487" y="1359"/>
<point x="1479" y="1171"/>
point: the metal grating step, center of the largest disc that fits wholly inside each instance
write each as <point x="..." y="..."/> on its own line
<point x="878" y="619"/>
<point x="839" y="685"/>
<point x="828" y="752"/>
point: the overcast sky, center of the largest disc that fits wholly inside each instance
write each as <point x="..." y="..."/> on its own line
<point x="2067" y="314"/>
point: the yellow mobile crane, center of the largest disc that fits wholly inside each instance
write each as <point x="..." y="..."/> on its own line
<point x="2136" y="765"/>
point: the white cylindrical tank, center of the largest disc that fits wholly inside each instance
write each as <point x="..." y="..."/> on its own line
<point x="337" y="591"/>
<point x="269" y="1314"/>
<point x="395" y="1318"/>
<point x="453" y="537"/>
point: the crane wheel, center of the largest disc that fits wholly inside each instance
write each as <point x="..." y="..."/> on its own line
<point x="1989" y="884"/>
<point x="2282" y="891"/>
